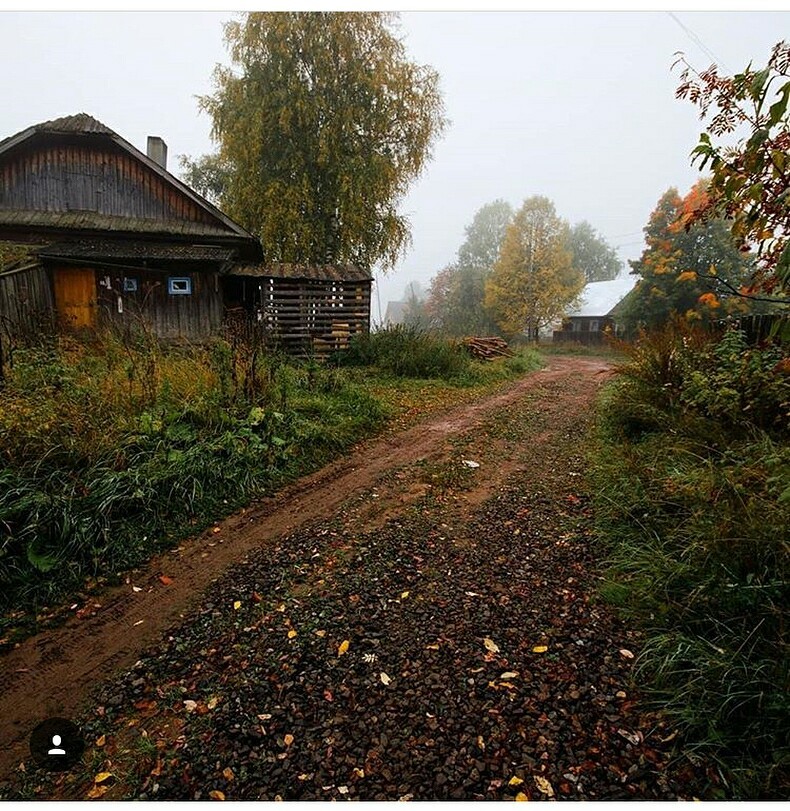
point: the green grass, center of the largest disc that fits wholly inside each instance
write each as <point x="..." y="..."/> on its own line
<point x="113" y="450"/>
<point x="692" y="485"/>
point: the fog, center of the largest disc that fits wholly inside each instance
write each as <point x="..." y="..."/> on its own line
<point x="577" y="106"/>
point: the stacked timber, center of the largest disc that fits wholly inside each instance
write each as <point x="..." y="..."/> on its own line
<point x="486" y="348"/>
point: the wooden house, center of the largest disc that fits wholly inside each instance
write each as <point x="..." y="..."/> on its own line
<point x="102" y="234"/>
<point x="110" y="236"/>
<point x="595" y="317"/>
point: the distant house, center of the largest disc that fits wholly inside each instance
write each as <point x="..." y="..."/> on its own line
<point x="595" y="316"/>
<point x="102" y="234"/>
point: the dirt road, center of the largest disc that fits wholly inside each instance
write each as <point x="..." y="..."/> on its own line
<point x="371" y="550"/>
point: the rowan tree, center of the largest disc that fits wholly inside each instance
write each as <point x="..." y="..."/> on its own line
<point x="747" y="149"/>
<point x="534" y="280"/>
<point x="322" y="122"/>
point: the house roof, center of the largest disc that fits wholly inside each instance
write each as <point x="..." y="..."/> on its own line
<point x="279" y="270"/>
<point x="84" y="125"/>
<point x="598" y="298"/>
<point x="135" y="250"/>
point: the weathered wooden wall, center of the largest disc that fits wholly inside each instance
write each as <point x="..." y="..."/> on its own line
<point x="173" y="317"/>
<point x="309" y="315"/>
<point x="98" y="177"/>
<point x="25" y="296"/>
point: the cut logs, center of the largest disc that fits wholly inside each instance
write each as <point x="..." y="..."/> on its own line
<point x="486" y="348"/>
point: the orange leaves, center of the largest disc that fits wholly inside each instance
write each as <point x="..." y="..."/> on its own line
<point x="709" y="300"/>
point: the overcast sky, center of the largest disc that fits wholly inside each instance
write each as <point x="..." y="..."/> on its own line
<point x="576" y="106"/>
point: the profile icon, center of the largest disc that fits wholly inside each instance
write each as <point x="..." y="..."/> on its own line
<point x="56" y="744"/>
<point x="56" y="750"/>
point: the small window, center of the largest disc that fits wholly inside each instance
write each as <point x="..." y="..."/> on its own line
<point x="129" y="284"/>
<point x="179" y="286"/>
<point x="593" y="326"/>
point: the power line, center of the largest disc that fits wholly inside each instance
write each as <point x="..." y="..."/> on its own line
<point x="696" y="39"/>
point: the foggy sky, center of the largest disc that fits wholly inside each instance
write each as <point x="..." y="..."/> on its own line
<point x="576" y="106"/>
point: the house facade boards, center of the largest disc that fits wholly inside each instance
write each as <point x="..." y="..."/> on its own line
<point x="101" y="234"/>
<point x="595" y="317"/>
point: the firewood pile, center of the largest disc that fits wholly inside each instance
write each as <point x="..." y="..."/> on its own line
<point x="486" y="348"/>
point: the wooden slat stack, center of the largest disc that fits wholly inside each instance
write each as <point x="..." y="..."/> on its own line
<point x="486" y="348"/>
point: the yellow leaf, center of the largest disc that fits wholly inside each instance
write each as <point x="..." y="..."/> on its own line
<point x="291" y="634"/>
<point x="540" y="648"/>
<point x="101" y="741"/>
<point x="237" y="605"/>
<point x="360" y="773"/>
<point x="216" y="795"/>
<point x="343" y="647"/>
<point x="404" y="595"/>
<point x="320" y="633"/>
<point x="288" y="739"/>
<point x="212" y="703"/>
<point x="515" y="781"/>
<point x="96" y="792"/>
<point x="544" y="787"/>
<point x="102" y="776"/>
<point x="521" y="797"/>
<point x="490" y="645"/>
<point x="626" y="654"/>
<point x="227" y="773"/>
<point x="511" y="674"/>
<point x="385" y="679"/>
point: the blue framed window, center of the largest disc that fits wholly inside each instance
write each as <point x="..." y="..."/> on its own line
<point x="129" y="284"/>
<point x="179" y="286"/>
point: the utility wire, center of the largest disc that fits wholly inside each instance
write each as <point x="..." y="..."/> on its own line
<point x="694" y="38"/>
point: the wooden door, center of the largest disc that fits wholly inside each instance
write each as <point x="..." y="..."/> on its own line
<point x="75" y="296"/>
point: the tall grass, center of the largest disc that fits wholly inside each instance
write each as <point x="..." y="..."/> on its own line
<point x="692" y="481"/>
<point x="112" y="449"/>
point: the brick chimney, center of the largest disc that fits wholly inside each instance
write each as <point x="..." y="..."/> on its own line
<point x="157" y="150"/>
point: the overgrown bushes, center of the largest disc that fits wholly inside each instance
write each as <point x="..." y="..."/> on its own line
<point x="110" y="450"/>
<point x="692" y="477"/>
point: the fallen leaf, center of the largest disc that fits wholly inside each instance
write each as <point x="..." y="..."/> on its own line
<point x="136" y="589"/>
<point x="237" y="605"/>
<point x="404" y="595"/>
<point x="190" y="705"/>
<point x="291" y="634"/>
<point x="343" y="647"/>
<point x="288" y="739"/>
<point x="470" y="463"/>
<point x="509" y="675"/>
<point x="515" y="781"/>
<point x="634" y="738"/>
<point x="626" y="654"/>
<point x="385" y="679"/>
<point x="139" y="622"/>
<point x="544" y="787"/>
<point x="320" y="632"/>
<point x="360" y="773"/>
<point x="216" y="795"/>
<point x="540" y="648"/>
<point x="227" y="773"/>
<point x="102" y="776"/>
<point x="303" y="777"/>
<point x="165" y="580"/>
<point x="96" y="792"/>
<point x="490" y="645"/>
<point x="521" y="797"/>
<point x="212" y="703"/>
<point x="343" y="789"/>
<point x="101" y="740"/>
<point x="215" y="531"/>
<point x="256" y="598"/>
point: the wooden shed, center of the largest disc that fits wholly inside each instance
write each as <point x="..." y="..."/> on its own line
<point x="111" y="236"/>
<point x="307" y="309"/>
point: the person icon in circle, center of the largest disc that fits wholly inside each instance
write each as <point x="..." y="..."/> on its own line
<point x="56" y="750"/>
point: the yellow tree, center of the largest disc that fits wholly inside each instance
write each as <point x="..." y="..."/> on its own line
<point x="534" y="280"/>
<point x="322" y="123"/>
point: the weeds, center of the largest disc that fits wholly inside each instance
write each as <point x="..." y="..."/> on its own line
<point x="692" y="476"/>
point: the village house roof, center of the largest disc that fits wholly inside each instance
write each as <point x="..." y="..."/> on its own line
<point x="280" y="270"/>
<point x="84" y="126"/>
<point x="599" y="298"/>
